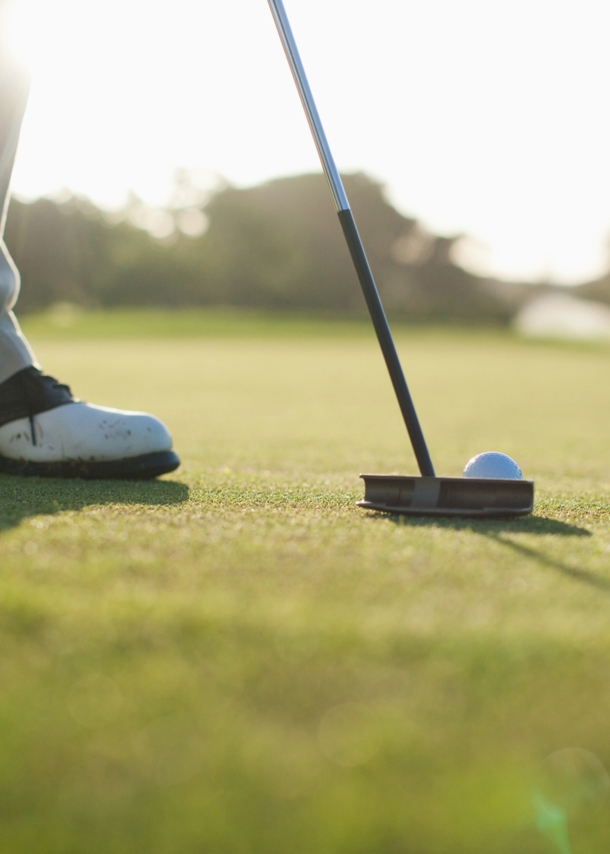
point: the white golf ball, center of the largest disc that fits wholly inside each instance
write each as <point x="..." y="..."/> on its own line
<point x="493" y="464"/>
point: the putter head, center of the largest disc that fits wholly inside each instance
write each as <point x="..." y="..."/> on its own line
<point x="447" y="496"/>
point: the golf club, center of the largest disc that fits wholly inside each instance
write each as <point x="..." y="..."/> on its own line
<point x="428" y="494"/>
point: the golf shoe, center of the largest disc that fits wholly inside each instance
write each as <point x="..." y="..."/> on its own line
<point x="45" y="431"/>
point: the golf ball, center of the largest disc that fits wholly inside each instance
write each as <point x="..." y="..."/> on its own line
<point x="493" y="464"/>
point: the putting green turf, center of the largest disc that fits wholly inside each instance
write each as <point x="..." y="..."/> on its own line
<point x="237" y="660"/>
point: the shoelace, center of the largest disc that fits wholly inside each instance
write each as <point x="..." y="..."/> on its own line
<point x="29" y="393"/>
<point x="51" y="385"/>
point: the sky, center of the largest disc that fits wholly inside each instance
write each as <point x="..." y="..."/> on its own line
<point x="481" y="117"/>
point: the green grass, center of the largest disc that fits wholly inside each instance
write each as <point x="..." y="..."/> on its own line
<point x="237" y="660"/>
<point x="66" y="321"/>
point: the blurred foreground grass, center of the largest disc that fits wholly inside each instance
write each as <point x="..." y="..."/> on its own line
<point x="237" y="659"/>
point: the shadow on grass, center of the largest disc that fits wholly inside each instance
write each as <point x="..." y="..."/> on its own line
<point x="496" y="530"/>
<point x="519" y="525"/>
<point x="21" y="498"/>
<point x="570" y="571"/>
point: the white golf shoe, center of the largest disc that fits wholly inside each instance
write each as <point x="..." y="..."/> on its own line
<point x="45" y="431"/>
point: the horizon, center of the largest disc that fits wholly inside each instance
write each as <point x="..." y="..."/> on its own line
<point x="505" y="136"/>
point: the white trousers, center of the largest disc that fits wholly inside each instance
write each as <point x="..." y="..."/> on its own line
<point x="15" y="352"/>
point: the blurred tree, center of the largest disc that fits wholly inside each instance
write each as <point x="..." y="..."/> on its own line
<point x="278" y="245"/>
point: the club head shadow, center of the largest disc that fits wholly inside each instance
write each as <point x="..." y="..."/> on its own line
<point x="447" y="496"/>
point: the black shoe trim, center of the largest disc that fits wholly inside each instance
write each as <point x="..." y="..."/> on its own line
<point x="144" y="467"/>
<point x="30" y="392"/>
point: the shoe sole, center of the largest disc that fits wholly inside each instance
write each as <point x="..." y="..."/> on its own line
<point x="144" y="467"/>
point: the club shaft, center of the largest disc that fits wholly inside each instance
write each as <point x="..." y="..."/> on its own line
<point x="354" y="242"/>
<point x="309" y="105"/>
<point x="386" y="342"/>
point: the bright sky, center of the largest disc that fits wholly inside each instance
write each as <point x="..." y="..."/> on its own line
<point x="486" y="117"/>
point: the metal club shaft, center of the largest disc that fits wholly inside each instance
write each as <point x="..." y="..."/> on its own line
<point x="354" y="242"/>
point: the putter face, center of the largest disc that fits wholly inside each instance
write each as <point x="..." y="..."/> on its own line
<point x="447" y="496"/>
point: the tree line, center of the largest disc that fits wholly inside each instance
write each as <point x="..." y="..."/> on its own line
<point x="278" y="246"/>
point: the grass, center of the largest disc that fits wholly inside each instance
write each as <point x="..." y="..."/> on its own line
<point x="237" y="659"/>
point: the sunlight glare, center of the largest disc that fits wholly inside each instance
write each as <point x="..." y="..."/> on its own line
<point x="479" y="120"/>
<point x="33" y="32"/>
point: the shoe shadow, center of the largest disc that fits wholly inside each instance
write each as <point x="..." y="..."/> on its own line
<point x="497" y="529"/>
<point x="23" y="497"/>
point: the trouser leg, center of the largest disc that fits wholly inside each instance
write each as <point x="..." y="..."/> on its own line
<point x="15" y="352"/>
